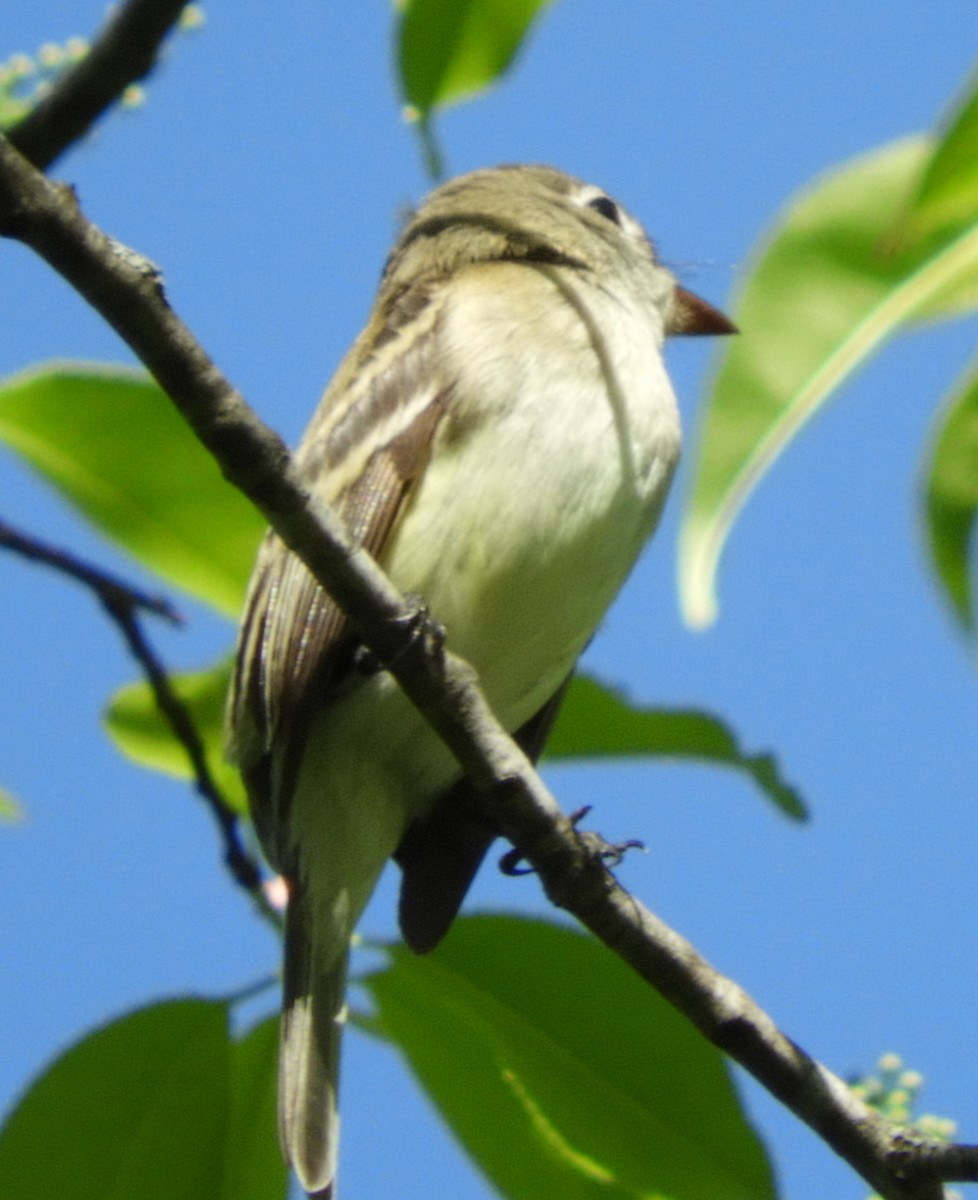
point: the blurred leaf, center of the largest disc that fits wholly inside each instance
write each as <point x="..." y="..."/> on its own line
<point x="562" y="1073"/>
<point x="448" y="50"/>
<point x="951" y="497"/>
<point x="821" y="299"/>
<point x="254" y="1168"/>
<point x="10" y="809"/>
<point x="599" y="722"/>
<point x="159" y="1104"/>
<point x="135" y="1109"/>
<point x="143" y="734"/>
<point x="947" y="194"/>
<point x="113" y="444"/>
<point x="595" y="722"/>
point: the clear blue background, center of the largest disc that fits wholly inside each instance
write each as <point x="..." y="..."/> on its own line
<point x="265" y="175"/>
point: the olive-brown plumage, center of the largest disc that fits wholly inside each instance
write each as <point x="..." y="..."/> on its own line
<point x="501" y="437"/>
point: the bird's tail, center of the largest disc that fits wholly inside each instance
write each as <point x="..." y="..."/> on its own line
<point x="313" y="1014"/>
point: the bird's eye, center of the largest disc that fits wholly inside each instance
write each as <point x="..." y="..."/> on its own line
<point x="607" y="208"/>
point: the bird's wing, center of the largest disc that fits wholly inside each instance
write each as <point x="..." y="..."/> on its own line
<point x="366" y="447"/>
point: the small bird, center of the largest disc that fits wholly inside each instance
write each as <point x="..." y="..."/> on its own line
<point x="501" y="438"/>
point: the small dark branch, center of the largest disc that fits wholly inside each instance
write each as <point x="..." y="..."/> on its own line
<point x="123" y="53"/>
<point x="898" y="1165"/>
<point x="945" y="1161"/>
<point x="122" y="603"/>
<point x="109" y="588"/>
<point x="243" y="868"/>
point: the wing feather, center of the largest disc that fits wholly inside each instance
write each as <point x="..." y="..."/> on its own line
<point x="365" y="449"/>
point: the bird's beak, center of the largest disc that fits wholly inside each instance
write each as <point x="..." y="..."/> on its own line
<point x="692" y="316"/>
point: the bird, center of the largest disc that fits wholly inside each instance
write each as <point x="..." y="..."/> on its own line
<point x="501" y="437"/>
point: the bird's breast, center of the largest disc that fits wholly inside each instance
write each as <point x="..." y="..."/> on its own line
<point x="547" y="475"/>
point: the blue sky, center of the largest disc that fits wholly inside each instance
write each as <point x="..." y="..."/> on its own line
<point x="265" y="175"/>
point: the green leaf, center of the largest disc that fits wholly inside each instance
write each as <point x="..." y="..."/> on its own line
<point x="562" y="1073"/>
<point x="450" y="49"/>
<point x="254" y="1168"/>
<point x="143" y="734"/>
<point x="827" y="290"/>
<point x="599" y="722"/>
<point x="595" y="722"/>
<point x="135" y="1109"/>
<point x="951" y="497"/>
<point x="112" y="443"/>
<point x="947" y="194"/>
<point x="159" y="1104"/>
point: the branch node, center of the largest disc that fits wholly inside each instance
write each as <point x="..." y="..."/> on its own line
<point x="143" y="266"/>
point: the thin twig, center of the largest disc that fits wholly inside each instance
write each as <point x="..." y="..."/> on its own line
<point x="124" y="52"/>
<point x="898" y="1165"/>
<point x="243" y="868"/>
<point x="122" y="603"/>
<point x="109" y="588"/>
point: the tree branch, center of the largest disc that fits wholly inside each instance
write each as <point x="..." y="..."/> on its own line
<point x="123" y="53"/>
<point x="896" y="1163"/>
<point x="122" y="603"/>
<point x="109" y="589"/>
